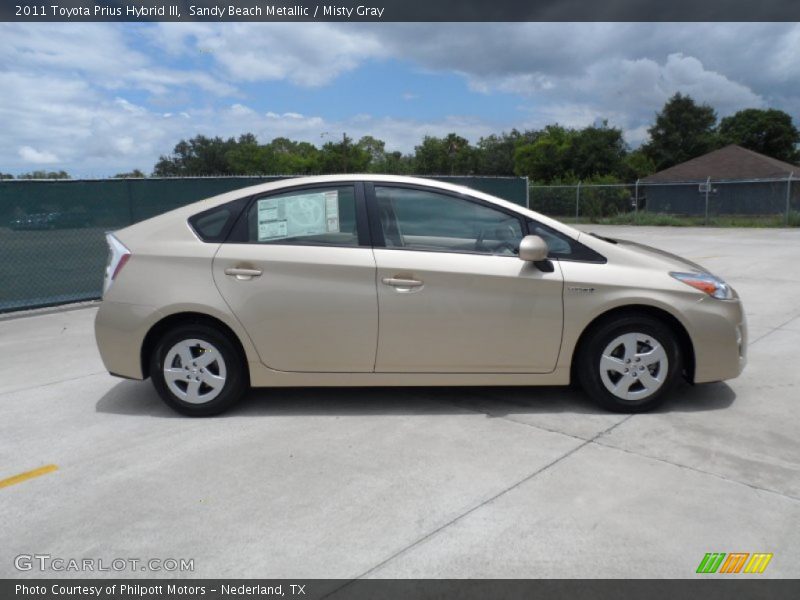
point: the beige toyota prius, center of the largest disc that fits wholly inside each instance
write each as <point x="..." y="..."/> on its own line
<point x="370" y="280"/>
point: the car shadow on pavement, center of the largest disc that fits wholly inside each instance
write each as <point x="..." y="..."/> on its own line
<point x="134" y="398"/>
<point x="697" y="398"/>
<point x="138" y="398"/>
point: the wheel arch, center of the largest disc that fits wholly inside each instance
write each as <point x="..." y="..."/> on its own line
<point x="186" y="318"/>
<point x="684" y="339"/>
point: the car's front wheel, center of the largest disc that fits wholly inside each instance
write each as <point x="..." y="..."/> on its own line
<point x="197" y="370"/>
<point x="629" y="364"/>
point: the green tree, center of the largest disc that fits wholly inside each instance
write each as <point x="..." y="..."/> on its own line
<point x="496" y="152"/>
<point x="135" y="174"/>
<point x="769" y="132"/>
<point x="394" y="163"/>
<point x="6" y="176"/>
<point x="287" y="157"/>
<point x="343" y="157"/>
<point x="381" y="161"/>
<point x="247" y="157"/>
<point x="637" y="165"/>
<point x="375" y="148"/>
<point x="430" y="157"/>
<point x="683" y="130"/>
<point x="547" y="157"/>
<point x="198" y="156"/>
<point x="451" y="155"/>
<point x="597" y="151"/>
<point x="45" y="175"/>
<point x="603" y="199"/>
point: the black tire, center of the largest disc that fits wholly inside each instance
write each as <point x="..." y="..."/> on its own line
<point x="236" y="380"/>
<point x="591" y="375"/>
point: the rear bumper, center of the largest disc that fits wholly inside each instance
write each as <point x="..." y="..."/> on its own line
<point x="120" y="329"/>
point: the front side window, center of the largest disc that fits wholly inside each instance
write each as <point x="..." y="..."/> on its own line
<point x="317" y="216"/>
<point x="417" y="219"/>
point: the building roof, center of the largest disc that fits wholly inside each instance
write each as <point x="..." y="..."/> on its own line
<point x="728" y="163"/>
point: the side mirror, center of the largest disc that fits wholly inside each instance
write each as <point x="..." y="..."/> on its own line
<point x="532" y="248"/>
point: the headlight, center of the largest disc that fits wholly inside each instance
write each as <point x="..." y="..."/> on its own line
<point x="705" y="282"/>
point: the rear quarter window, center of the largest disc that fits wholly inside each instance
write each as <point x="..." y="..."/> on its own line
<point x="213" y="225"/>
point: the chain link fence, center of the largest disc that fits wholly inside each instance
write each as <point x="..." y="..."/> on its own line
<point x="767" y="202"/>
<point x="52" y="233"/>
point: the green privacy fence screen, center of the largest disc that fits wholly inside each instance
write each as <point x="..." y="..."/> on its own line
<point x="52" y="242"/>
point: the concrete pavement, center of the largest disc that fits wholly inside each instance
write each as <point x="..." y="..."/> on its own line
<point x="454" y="482"/>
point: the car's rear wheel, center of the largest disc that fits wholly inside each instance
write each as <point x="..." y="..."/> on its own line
<point x="197" y="370"/>
<point x="629" y="364"/>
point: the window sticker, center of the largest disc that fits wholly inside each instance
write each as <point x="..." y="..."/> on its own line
<point x="332" y="210"/>
<point x="296" y="216"/>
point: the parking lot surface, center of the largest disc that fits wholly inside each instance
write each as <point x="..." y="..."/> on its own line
<point x="413" y="482"/>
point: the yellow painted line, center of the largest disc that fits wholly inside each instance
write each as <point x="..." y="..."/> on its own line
<point x="28" y="475"/>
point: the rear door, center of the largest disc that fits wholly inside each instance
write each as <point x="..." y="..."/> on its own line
<point x="299" y="274"/>
<point x="453" y="295"/>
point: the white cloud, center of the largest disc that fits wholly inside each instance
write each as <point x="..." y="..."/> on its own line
<point x="625" y="92"/>
<point x="241" y="110"/>
<point x="308" y="54"/>
<point x="577" y="72"/>
<point x="99" y="52"/>
<point x="32" y="155"/>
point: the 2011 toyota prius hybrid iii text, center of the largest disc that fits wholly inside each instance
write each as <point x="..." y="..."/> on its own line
<point x="367" y="280"/>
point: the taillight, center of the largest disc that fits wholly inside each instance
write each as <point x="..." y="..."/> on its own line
<point x="118" y="255"/>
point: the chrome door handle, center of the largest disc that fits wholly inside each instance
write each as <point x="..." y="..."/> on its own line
<point x="243" y="274"/>
<point x="401" y="283"/>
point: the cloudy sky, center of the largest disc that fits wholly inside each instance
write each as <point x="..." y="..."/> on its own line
<point x="100" y="98"/>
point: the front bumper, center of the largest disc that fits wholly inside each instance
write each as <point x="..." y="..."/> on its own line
<point x="718" y="329"/>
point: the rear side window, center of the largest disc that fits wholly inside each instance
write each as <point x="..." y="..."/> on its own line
<point x="317" y="216"/>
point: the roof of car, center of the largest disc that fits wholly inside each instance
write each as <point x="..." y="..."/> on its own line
<point x="369" y="177"/>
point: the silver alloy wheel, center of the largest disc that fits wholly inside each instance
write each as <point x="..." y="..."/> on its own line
<point x="634" y="366"/>
<point x="194" y="371"/>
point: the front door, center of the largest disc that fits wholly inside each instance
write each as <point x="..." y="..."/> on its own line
<point x="453" y="296"/>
